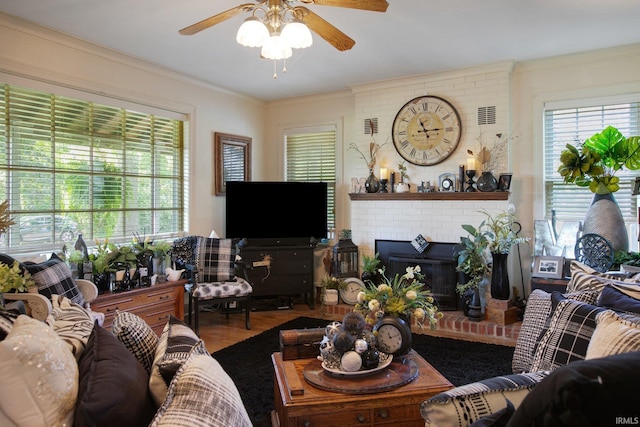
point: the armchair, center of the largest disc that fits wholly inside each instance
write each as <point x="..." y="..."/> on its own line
<point x="217" y="277"/>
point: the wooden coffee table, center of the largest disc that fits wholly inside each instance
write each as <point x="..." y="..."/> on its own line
<point x="298" y="403"/>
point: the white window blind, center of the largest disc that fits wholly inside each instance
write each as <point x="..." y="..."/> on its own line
<point x="311" y="157"/>
<point x="566" y="124"/>
<point x="69" y="166"/>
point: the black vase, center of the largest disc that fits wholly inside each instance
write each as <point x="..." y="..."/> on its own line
<point x="102" y="282"/>
<point x="372" y="185"/>
<point x="487" y="182"/>
<point x="367" y="276"/>
<point x="475" y="306"/>
<point x="500" y="288"/>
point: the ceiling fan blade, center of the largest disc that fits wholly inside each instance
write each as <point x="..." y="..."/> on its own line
<point x="216" y="19"/>
<point x="331" y="34"/>
<point x="373" y="5"/>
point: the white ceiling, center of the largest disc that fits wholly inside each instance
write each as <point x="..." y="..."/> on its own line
<point x="412" y="37"/>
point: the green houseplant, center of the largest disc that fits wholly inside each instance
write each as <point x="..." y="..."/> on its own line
<point x="472" y="262"/>
<point x="330" y="286"/>
<point x="594" y="164"/>
<point x="370" y="268"/>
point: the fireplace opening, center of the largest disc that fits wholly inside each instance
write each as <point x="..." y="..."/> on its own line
<point x="438" y="264"/>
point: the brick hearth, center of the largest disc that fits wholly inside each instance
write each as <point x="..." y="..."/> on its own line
<point x="453" y="325"/>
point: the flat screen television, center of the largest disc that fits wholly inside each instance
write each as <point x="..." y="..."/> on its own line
<point x="271" y="213"/>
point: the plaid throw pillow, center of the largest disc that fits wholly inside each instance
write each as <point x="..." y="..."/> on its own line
<point x="567" y="337"/>
<point x="54" y="277"/>
<point x="215" y="260"/>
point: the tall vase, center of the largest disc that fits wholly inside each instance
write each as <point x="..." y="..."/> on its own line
<point x="487" y="182"/>
<point x="372" y="185"/>
<point x="500" y="288"/>
<point x="605" y="218"/>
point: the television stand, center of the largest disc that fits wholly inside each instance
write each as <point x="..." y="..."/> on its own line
<point x="280" y="270"/>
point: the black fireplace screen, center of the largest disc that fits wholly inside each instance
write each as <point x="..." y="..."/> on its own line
<point x="438" y="264"/>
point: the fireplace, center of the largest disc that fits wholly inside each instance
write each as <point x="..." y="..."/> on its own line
<point x="437" y="262"/>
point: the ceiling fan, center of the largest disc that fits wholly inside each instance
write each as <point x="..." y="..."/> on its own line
<point x="275" y="10"/>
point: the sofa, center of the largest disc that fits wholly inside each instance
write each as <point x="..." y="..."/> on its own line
<point x="576" y="362"/>
<point x="67" y="370"/>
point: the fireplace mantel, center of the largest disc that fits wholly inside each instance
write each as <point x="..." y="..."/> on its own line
<point x="436" y="195"/>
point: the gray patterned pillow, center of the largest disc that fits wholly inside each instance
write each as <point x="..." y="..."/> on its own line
<point x="174" y="347"/>
<point x="536" y="315"/>
<point x="566" y="340"/>
<point x="201" y="394"/>
<point x="137" y="336"/>
<point x="466" y="404"/>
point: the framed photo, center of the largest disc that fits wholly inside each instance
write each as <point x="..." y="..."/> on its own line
<point x="232" y="155"/>
<point x="504" y="182"/>
<point x="636" y="186"/>
<point x="548" y="266"/>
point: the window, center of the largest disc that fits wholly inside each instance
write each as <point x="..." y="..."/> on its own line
<point x="311" y="157"/>
<point x="573" y="124"/>
<point x="69" y="166"/>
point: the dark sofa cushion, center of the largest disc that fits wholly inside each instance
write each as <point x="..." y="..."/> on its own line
<point x="113" y="386"/>
<point x="594" y="392"/>
<point x="616" y="299"/>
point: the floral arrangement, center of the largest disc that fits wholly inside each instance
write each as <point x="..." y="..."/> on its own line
<point x="13" y="279"/>
<point x="489" y="155"/>
<point x="404" y="295"/>
<point x="596" y="162"/>
<point x="500" y="232"/>
<point x="471" y="258"/>
<point x="374" y="147"/>
<point x="402" y="168"/>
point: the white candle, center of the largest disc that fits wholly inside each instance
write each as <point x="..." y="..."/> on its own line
<point x="384" y="173"/>
<point x="471" y="164"/>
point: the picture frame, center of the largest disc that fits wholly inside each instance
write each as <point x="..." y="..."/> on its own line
<point x="232" y="160"/>
<point x="551" y="267"/>
<point x="504" y="182"/>
<point x="636" y="186"/>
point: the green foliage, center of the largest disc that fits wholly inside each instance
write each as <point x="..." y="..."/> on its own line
<point x="471" y="258"/>
<point x="12" y="279"/>
<point x="370" y="264"/>
<point x="595" y="164"/>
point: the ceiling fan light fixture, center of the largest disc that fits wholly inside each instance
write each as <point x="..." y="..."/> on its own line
<point x="252" y="32"/>
<point x="297" y="34"/>
<point x="275" y="47"/>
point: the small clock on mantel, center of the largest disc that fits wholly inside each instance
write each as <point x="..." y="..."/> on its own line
<point x="426" y="130"/>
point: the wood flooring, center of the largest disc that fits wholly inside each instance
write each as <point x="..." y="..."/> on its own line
<point x="217" y="332"/>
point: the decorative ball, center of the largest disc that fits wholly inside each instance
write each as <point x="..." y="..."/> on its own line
<point x="370" y="359"/>
<point x="360" y="345"/>
<point x="369" y="337"/>
<point x="351" y="361"/>
<point x="343" y="341"/>
<point x="328" y="353"/>
<point x="332" y="329"/>
<point x="353" y="322"/>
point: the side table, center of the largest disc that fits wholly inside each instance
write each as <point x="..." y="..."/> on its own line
<point x="298" y="403"/>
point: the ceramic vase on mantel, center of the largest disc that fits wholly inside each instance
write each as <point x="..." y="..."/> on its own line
<point x="605" y="218"/>
<point x="487" y="182"/>
<point x="372" y="184"/>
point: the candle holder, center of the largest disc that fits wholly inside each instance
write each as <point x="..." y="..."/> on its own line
<point x="470" y="174"/>
<point x="383" y="186"/>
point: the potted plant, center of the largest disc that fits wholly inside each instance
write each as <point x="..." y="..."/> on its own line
<point x="473" y="263"/>
<point x="330" y="286"/>
<point x="594" y="164"/>
<point x="370" y="268"/>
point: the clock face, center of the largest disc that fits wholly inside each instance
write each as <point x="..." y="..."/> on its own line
<point x="389" y="338"/>
<point x="426" y="130"/>
<point x="393" y="335"/>
<point x="350" y="293"/>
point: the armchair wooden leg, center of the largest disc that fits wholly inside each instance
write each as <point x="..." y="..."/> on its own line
<point x="196" y="314"/>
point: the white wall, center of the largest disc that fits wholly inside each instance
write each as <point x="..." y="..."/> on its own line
<point x="32" y="56"/>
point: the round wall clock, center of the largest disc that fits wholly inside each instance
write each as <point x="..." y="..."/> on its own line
<point x="426" y="130"/>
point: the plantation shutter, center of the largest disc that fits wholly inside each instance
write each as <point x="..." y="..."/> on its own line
<point x="103" y="171"/>
<point x="565" y="124"/>
<point x="311" y="157"/>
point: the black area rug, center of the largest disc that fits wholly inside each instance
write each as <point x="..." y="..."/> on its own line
<point x="248" y="363"/>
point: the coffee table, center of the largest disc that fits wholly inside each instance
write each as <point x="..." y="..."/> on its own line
<point x="298" y="403"/>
